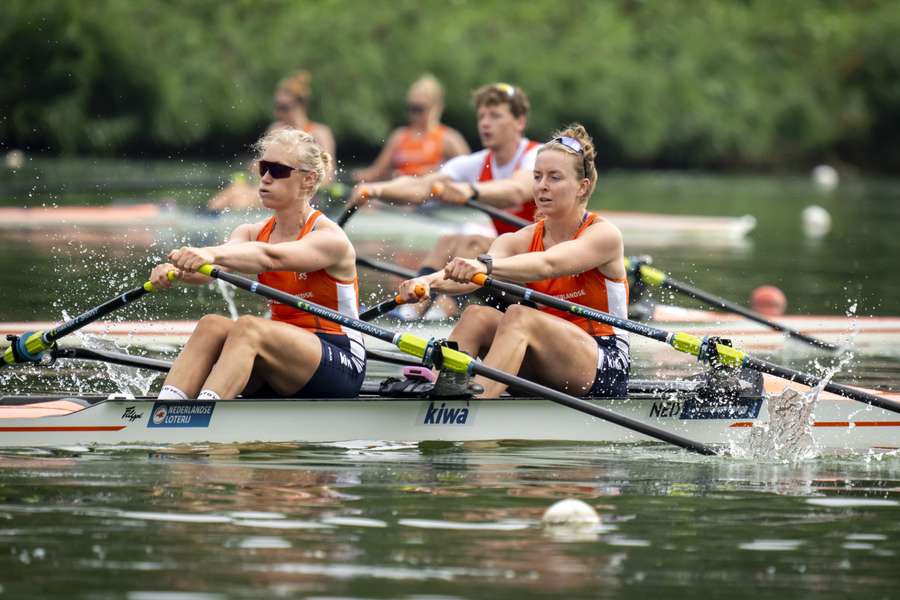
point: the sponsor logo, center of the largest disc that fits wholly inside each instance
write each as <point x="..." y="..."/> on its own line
<point x="454" y="413"/>
<point x="131" y="415"/>
<point x="181" y="414"/>
<point x="696" y="409"/>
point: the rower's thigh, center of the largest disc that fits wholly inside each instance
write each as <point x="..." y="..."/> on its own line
<point x="475" y="330"/>
<point x="560" y="354"/>
<point x="287" y="356"/>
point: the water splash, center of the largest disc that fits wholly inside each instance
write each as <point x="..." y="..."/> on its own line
<point x="788" y="435"/>
<point x="227" y="292"/>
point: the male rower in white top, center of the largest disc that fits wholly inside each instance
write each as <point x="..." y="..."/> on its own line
<point x="570" y="253"/>
<point x="299" y="251"/>
<point x="499" y="175"/>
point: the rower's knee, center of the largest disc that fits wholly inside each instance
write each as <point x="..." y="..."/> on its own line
<point x="214" y="326"/>
<point x="478" y="317"/>
<point x="248" y="330"/>
<point x="517" y="319"/>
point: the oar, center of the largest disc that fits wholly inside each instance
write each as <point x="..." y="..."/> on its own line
<point x="116" y="358"/>
<point x="29" y="346"/>
<point x="385" y="267"/>
<point x="491" y="211"/>
<point x="388" y="305"/>
<point x="655" y="277"/>
<point x="454" y="360"/>
<point x="689" y="344"/>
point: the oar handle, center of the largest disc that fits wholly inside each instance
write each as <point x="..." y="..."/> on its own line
<point x="390" y="304"/>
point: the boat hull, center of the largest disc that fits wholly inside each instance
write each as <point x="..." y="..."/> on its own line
<point x="839" y="423"/>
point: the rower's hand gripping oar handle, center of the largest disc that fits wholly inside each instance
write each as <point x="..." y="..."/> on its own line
<point x="390" y="304"/>
<point x="29" y="346"/>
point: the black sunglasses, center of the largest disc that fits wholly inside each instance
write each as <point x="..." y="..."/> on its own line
<point x="416" y="108"/>
<point x="276" y="170"/>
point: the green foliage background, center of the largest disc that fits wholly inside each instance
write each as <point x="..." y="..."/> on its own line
<point x="696" y="83"/>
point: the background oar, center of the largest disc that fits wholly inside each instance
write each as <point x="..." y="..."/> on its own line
<point x="689" y="344"/>
<point x="491" y="211"/>
<point x="29" y="346"/>
<point x="455" y="360"/>
<point x="655" y="277"/>
<point x="388" y="305"/>
<point x="350" y="209"/>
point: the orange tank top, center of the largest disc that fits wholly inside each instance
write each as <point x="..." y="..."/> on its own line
<point x="526" y="211"/>
<point x="318" y="287"/>
<point x="418" y="154"/>
<point x="591" y="288"/>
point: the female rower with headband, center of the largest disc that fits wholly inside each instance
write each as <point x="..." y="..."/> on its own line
<point x="571" y="253"/>
<point x="297" y="250"/>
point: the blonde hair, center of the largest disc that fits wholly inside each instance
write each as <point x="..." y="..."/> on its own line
<point x="430" y="85"/>
<point x="297" y="84"/>
<point x="584" y="161"/>
<point x="303" y="148"/>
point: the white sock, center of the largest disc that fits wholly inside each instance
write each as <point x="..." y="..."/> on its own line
<point x="208" y="394"/>
<point x="170" y="392"/>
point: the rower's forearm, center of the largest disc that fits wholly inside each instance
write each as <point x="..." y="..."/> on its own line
<point x="247" y="257"/>
<point x="438" y="283"/>
<point x="503" y="194"/>
<point x="522" y="268"/>
<point x="404" y="190"/>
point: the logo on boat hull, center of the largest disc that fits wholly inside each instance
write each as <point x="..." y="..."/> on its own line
<point x="695" y="409"/>
<point x="181" y="414"/>
<point x="446" y="413"/>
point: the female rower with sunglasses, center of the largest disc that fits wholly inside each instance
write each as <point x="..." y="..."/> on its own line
<point x="299" y="251"/>
<point x="421" y="146"/>
<point x="289" y="108"/>
<point x="570" y="253"/>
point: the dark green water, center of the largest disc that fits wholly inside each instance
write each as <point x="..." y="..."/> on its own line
<point x="444" y="522"/>
<point x="459" y="521"/>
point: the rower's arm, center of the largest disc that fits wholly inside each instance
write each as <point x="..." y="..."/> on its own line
<point x="600" y="247"/>
<point x="512" y="192"/>
<point x="381" y="168"/>
<point x="315" y="251"/>
<point x="505" y="245"/>
<point x="402" y="190"/>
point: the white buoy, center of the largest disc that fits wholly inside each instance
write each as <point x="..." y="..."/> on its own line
<point x="816" y="222"/>
<point x="14" y="159"/>
<point x="825" y="177"/>
<point x="571" y="512"/>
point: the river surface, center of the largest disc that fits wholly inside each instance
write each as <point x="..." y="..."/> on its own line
<point x="381" y="520"/>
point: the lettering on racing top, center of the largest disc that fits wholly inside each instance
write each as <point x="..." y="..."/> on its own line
<point x="695" y="408"/>
<point x="131" y="414"/>
<point x="447" y="413"/>
<point x="181" y="414"/>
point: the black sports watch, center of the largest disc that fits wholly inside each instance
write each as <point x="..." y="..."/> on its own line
<point x="475" y="192"/>
<point x="488" y="261"/>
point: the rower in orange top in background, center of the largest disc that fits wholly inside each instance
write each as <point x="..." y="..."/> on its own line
<point x="499" y="175"/>
<point x="289" y="108"/>
<point x="571" y="254"/>
<point x="422" y="146"/>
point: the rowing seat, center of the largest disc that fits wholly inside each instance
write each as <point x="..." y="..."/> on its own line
<point x="47" y="408"/>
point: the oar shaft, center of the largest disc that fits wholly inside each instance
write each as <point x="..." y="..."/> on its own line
<point x="498" y="213"/>
<point x="382" y="308"/>
<point x="688" y="344"/>
<point x="95" y="313"/>
<point x="345" y="215"/>
<point x="654" y="276"/>
<point x="590" y="409"/>
<point x="810" y="380"/>
<point x="385" y="267"/>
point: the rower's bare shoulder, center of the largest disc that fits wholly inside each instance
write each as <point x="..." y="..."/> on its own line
<point x="604" y="228"/>
<point x="247" y="232"/>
